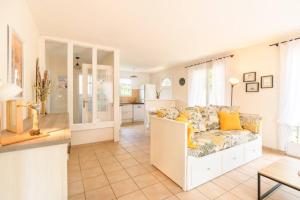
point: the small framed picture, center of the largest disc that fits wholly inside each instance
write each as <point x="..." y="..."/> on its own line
<point x="249" y="77"/>
<point x="266" y="81"/>
<point x="252" y="87"/>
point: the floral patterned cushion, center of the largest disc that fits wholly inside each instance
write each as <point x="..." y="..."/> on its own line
<point x="172" y="113"/>
<point x="251" y="122"/>
<point x="227" y="108"/>
<point x="210" y="114"/>
<point x="195" y="119"/>
<point x="216" y="140"/>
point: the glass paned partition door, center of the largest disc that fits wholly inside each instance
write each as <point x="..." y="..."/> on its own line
<point x="93" y="98"/>
<point x="104" y="91"/>
<point x="82" y="85"/>
<point x="104" y="86"/>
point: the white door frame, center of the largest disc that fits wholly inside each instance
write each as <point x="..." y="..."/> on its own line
<point x="70" y="43"/>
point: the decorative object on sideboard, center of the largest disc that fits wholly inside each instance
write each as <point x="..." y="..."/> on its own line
<point x="14" y="116"/>
<point x="233" y="82"/>
<point x="42" y="87"/>
<point x="7" y="92"/>
<point x="15" y="58"/>
<point x="35" y="118"/>
<point x="249" y="77"/>
<point x="157" y="92"/>
<point x="252" y="87"/>
<point x="266" y="81"/>
<point x="182" y="81"/>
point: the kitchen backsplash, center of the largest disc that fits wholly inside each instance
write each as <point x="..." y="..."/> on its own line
<point x="130" y="99"/>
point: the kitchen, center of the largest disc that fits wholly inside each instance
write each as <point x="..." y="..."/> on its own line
<point x="135" y="88"/>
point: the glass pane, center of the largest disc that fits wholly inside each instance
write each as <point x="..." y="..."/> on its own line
<point x="104" y="84"/>
<point x="82" y="85"/>
<point x="56" y="63"/>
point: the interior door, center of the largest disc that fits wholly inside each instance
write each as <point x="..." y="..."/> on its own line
<point x="87" y="93"/>
<point x="104" y="88"/>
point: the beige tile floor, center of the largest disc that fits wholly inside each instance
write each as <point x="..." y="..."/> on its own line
<point x="122" y="171"/>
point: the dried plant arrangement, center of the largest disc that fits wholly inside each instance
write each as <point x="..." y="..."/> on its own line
<point x="43" y="88"/>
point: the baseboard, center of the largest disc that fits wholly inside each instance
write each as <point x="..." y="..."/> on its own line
<point x="91" y="136"/>
<point x="274" y="150"/>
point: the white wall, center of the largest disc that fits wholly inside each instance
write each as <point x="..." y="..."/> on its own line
<point x="142" y="78"/>
<point x="17" y="14"/>
<point x="265" y="61"/>
<point x="175" y="73"/>
<point x="260" y="58"/>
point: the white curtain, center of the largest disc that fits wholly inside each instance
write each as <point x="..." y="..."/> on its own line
<point x="289" y="98"/>
<point x="219" y="83"/>
<point x="197" y="85"/>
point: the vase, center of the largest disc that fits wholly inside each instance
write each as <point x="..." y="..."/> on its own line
<point x="43" y="108"/>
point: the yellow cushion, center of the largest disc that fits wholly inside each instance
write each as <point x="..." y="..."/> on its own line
<point x="229" y="121"/>
<point x="161" y="113"/>
<point x="183" y="118"/>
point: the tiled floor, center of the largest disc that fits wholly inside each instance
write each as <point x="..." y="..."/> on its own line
<point x="122" y="171"/>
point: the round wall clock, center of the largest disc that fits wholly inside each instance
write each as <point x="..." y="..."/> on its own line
<point x="181" y="81"/>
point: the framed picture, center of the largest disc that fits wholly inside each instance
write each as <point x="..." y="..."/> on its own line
<point x="15" y="58"/>
<point x="249" y="77"/>
<point x="252" y="87"/>
<point x="266" y="81"/>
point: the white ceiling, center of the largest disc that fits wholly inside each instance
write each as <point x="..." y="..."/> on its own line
<point x="156" y="33"/>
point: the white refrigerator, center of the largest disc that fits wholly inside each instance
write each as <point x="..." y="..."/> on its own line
<point x="147" y="92"/>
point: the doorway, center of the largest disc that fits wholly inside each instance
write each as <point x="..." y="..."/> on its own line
<point x="86" y="88"/>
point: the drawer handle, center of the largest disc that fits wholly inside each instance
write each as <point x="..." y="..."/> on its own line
<point x="253" y="150"/>
<point x="208" y="169"/>
<point x="234" y="158"/>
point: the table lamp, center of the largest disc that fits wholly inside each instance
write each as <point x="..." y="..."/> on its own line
<point x="8" y="91"/>
<point x="233" y="82"/>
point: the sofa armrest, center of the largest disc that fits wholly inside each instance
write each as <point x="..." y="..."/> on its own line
<point x="251" y="122"/>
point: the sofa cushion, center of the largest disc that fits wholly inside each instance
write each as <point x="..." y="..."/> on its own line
<point x="226" y="108"/>
<point x="172" y="113"/>
<point x="216" y="140"/>
<point x="251" y="122"/>
<point x="229" y="121"/>
<point x="195" y="118"/>
<point x="210" y="114"/>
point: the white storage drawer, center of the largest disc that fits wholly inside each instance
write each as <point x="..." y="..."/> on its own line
<point x="232" y="158"/>
<point x="204" y="169"/>
<point x="253" y="150"/>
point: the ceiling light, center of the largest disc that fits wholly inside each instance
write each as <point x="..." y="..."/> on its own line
<point x="77" y="66"/>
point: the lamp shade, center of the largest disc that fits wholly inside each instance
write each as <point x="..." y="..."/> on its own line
<point x="234" y="81"/>
<point x="9" y="91"/>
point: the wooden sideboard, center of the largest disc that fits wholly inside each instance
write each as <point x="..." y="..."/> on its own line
<point x="37" y="169"/>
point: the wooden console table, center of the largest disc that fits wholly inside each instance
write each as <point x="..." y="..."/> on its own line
<point x="284" y="172"/>
<point x="36" y="169"/>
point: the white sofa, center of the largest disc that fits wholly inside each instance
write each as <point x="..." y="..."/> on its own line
<point x="171" y="156"/>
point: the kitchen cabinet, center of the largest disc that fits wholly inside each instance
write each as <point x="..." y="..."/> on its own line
<point x="127" y="113"/>
<point x="138" y="112"/>
<point x="132" y="112"/>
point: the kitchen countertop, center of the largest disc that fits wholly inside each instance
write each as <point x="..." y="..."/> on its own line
<point x="56" y="125"/>
<point x="134" y="103"/>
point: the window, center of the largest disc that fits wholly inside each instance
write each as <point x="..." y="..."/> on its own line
<point x="207" y="84"/>
<point x="166" y="88"/>
<point x="125" y="87"/>
<point x="166" y="82"/>
<point x="295" y="135"/>
<point x="289" y="97"/>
